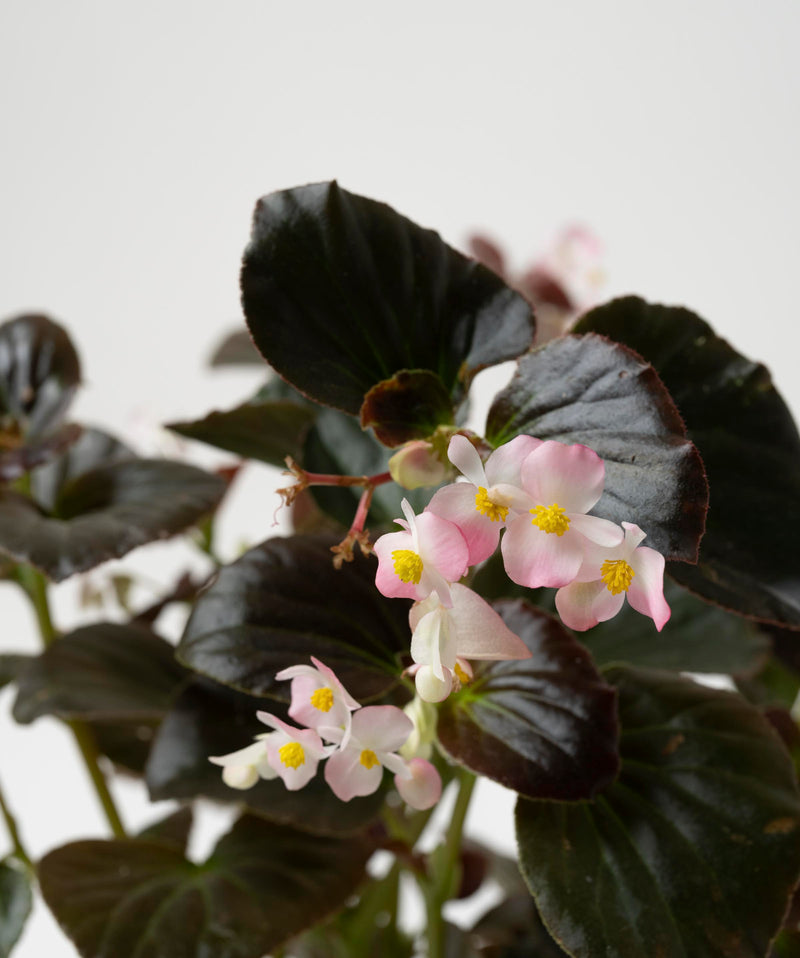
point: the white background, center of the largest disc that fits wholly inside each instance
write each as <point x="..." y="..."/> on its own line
<point x="136" y="137"/>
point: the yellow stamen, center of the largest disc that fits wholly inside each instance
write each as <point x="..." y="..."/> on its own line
<point x="368" y="758"/>
<point x="550" y="519"/>
<point x="617" y="575"/>
<point x="322" y="699"/>
<point x="292" y="754"/>
<point x="407" y="565"/>
<point x="462" y="676"/>
<point x="488" y="507"/>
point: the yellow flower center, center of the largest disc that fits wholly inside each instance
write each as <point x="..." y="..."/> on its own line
<point x="488" y="507"/>
<point x="617" y="575"/>
<point x="322" y="699"/>
<point x="407" y="565"/>
<point x="368" y="758"/>
<point x="292" y="754"/>
<point x="550" y="519"/>
<point x="462" y="676"/>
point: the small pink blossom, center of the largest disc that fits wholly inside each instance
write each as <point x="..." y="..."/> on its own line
<point x="443" y="639"/>
<point x="420" y="786"/>
<point x="481" y="506"/>
<point x="426" y="557"/>
<point x="356" y="768"/>
<point x="544" y="546"/>
<point x="293" y="753"/>
<point x="319" y="700"/>
<point x="607" y="575"/>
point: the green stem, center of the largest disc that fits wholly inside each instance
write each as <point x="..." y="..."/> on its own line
<point x="11" y="825"/>
<point x="442" y="883"/>
<point x="34" y="585"/>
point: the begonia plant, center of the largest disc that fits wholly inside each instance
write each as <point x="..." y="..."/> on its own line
<point x="531" y="600"/>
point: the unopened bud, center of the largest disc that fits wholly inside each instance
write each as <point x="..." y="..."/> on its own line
<point x="417" y="464"/>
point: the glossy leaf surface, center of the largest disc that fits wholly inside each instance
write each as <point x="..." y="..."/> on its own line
<point x="544" y="726"/>
<point x="102" y="672"/>
<point x="212" y="720"/>
<point x="17" y="460"/>
<point x="408" y="406"/>
<point x="282" y="602"/>
<point x="698" y="638"/>
<point x="15" y="904"/>
<point x="693" y="851"/>
<point x="105" y="513"/>
<point x="749" y="559"/>
<point x="262" y="884"/>
<point x="591" y="391"/>
<point x="341" y="292"/>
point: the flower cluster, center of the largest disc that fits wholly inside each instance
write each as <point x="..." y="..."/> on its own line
<point x="541" y="494"/>
<point x="361" y="742"/>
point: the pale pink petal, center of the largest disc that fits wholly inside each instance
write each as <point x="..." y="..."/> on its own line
<point x="480" y="632"/>
<point x="382" y="728"/>
<point x="576" y="602"/>
<point x="535" y="558"/>
<point x="302" y="709"/>
<point x="348" y="777"/>
<point x="646" y="591"/>
<point x="572" y="476"/>
<point x="633" y="536"/>
<point x="393" y="762"/>
<point x="313" y="751"/>
<point x="465" y="458"/>
<point x="456" y="503"/>
<point x="433" y="581"/>
<point x="335" y="684"/>
<point x="293" y="671"/>
<point x="442" y="546"/>
<point x="423" y="788"/>
<point x="433" y="641"/>
<point x="249" y="755"/>
<point x="387" y="581"/>
<point x="505" y="463"/>
<point x="422" y="608"/>
<point x="603" y="532"/>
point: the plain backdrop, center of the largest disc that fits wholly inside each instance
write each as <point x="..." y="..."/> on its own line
<point x="136" y="137"/>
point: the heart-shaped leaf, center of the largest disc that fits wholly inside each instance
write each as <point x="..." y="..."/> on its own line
<point x="39" y="374"/>
<point x="262" y="884"/>
<point x="695" y="849"/>
<point x="698" y="638"/>
<point x="174" y="829"/>
<point x="266" y="431"/>
<point x="15" y="904"/>
<point x="101" y="672"/>
<point x="209" y="719"/>
<point x="282" y="602"/>
<point x="545" y="726"/>
<point x="341" y="292"/>
<point x="749" y="561"/>
<point x="410" y="405"/>
<point x="591" y="391"/>
<point x="105" y="513"/>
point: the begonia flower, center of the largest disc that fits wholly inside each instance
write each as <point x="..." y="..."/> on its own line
<point x="481" y="506"/>
<point x="545" y="545"/>
<point x="607" y="576"/>
<point x="243" y="768"/>
<point x="426" y="557"/>
<point x="293" y="753"/>
<point x="444" y="638"/>
<point x="377" y="733"/>
<point x="420" y="786"/>
<point x="319" y="700"/>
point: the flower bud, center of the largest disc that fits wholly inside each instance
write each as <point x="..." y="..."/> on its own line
<point x="417" y="464"/>
<point x="421" y="786"/>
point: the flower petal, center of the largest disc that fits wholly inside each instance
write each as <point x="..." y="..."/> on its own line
<point x="348" y="777"/>
<point x="456" y="503"/>
<point x="382" y="728"/>
<point x="572" y="476"/>
<point x="646" y="591"/>
<point x="535" y="558"/>
<point x="465" y="458"/>
<point x="442" y="545"/>
<point x="603" y="532"/>
<point x="504" y="465"/>
<point x="423" y="788"/>
<point x="387" y="581"/>
<point x="582" y="605"/>
<point x="480" y="633"/>
<point x="429" y="688"/>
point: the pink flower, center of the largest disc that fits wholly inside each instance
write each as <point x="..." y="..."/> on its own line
<point x="544" y="546"/>
<point x="292" y="752"/>
<point x="444" y="638"/>
<point x="481" y="506"/>
<point x="420" y="787"/>
<point x="606" y="576"/>
<point x="429" y="555"/>
<point x="319" y="700"/>
<point x="356" y="768"/>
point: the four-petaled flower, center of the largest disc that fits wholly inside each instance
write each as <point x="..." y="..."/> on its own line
<point x="606" y="576"/>
<point x="319" y="700"/>
<point x="293" y="753"/>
